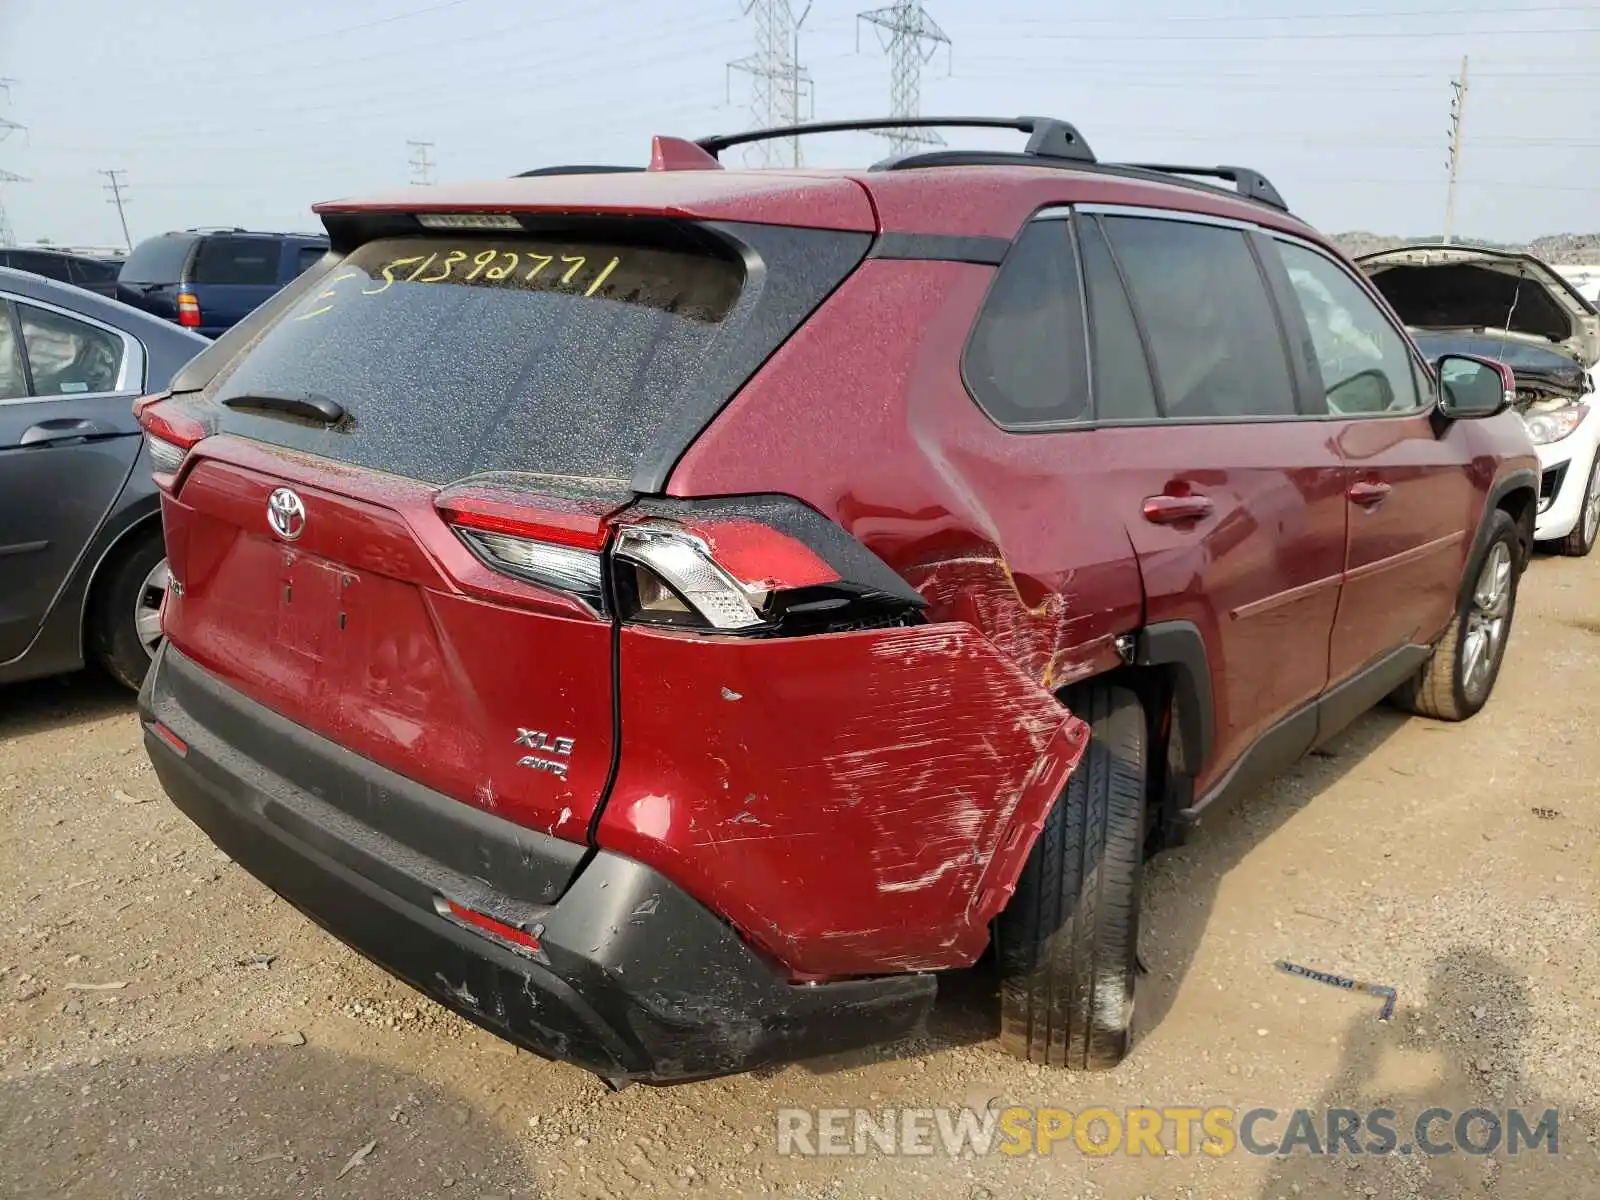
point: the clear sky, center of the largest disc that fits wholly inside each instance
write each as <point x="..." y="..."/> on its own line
<point x="230" y="113"/>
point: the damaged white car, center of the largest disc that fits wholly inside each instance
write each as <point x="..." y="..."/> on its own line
<point x="1515" y="308"/>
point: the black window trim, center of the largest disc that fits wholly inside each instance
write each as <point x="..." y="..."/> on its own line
<point x="1425" y="400"/>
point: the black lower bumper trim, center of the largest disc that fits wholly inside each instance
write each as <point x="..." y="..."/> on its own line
<point x="640" y="981"/>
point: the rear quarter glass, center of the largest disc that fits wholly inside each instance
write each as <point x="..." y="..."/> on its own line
<point x="571" y="355"/>
<point x="252" y="261"/>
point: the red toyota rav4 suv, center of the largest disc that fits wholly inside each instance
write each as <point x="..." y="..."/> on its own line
<point x="667" y="615"/>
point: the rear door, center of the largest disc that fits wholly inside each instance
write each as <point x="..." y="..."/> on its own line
<point x="1233" y="500"/>
<point x="231" y="274"/>
<point x="68" y="441"/>
<point x="1412" y="501"/>
<point x="418" y="578"/>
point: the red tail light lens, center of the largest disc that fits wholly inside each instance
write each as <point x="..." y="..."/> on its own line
<point x="552" y="542"/>
<point x="169" y="435"/>
<point x="188" y="310"/>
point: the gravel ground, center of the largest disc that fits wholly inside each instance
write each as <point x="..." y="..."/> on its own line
<point x="169" y="1029"/>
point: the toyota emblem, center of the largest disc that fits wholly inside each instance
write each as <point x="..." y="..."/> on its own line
<point x="286" y="513"/>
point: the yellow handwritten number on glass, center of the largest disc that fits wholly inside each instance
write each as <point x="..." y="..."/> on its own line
<point x="450" y="260"/>
<point x="499" y="273"/>
<point x="388" y="274"/>
<point x="577" y="261"/>
<point x="483" y="259"/>
<point x="544" y="261"/>
<point x="327" y="294"/>
<point x="602" y="277"/>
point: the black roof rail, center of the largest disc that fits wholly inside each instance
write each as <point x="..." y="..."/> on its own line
<point x="1251" y="184"/>
<point x="575" y="169"/>
<point x="1048" y="138"/>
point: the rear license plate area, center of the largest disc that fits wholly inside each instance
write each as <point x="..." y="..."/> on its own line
<point x="311" y="612"/>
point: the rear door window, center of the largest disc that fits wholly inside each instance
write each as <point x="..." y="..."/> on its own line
<point x="308" y="257"/>
<point x="237" y="260"/>
<point x="1025" y="362"/>
<point x="51" y="266"/>
<point x="1204" y="305"/>
<point x="1123" y="390"/>
<point x="88" y="272"/>
<point x="13" y="382"/>
<point x="68" y="357"/>
<point x="458" y="355"/>
<point x="157" y="260"/>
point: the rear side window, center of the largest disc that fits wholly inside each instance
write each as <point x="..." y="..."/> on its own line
<point x="239" y="260"/>
<point x="308" y="257"/>
<point x="69" y="357"/>
<point x="1212" y="328"/>
<point x="1122" y="387"/>
<point x="157" y="260"/>
<point x="453" y="356"/>
<point x="87" y="270"/>
<point x="51" y="266"/>
<point x="1025" y="362"/>
<point x="13" y="384"/>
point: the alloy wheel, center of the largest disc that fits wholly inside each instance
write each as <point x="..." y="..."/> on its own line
<point x="147" y="608"/>
<point x="1487" y="618"/>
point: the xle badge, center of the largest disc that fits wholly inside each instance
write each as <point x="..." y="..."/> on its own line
<point x="535" y="739"/>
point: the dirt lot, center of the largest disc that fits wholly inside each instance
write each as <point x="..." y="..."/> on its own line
<point x="229" y="1048"/>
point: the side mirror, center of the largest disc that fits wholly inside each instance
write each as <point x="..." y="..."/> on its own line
<point x="1472" y="387"/>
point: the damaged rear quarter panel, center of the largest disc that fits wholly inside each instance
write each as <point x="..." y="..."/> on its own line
<point x="853" y="803"/>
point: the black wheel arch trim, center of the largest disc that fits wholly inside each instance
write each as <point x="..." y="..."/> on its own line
<point x="1514" y="480"/>
<point x="1181" y="646"/>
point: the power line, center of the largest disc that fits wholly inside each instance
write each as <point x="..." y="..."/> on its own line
<point x="1362" y="15"/>
<point x="421" y="168"/>
<point x="914" y="37"/>
<point x="115" y="188"/>
<point x="1327" y="35"/>
<point x="1458" y="109"/>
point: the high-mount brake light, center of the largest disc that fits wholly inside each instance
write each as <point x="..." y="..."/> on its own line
<point x="169" y="435"/>
<point x="468" y="221"/>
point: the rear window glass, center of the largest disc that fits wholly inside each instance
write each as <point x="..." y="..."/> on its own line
<point x="453" y="356"/>
<point x="157" y="260"/>
<point x="237" y="260"/>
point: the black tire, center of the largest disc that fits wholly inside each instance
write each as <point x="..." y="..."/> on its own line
<point x="1441" y="688"/>
<point x="113" y="631"/>
<point x="1067" y="944"/>
<point x="1581" y="540"/>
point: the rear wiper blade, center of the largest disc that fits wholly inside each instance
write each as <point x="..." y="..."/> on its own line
<point x="310" y="407"/>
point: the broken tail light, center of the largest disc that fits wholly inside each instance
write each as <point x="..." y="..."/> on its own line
<point x="780" y="568"/>
<point x="169" y="435"/>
